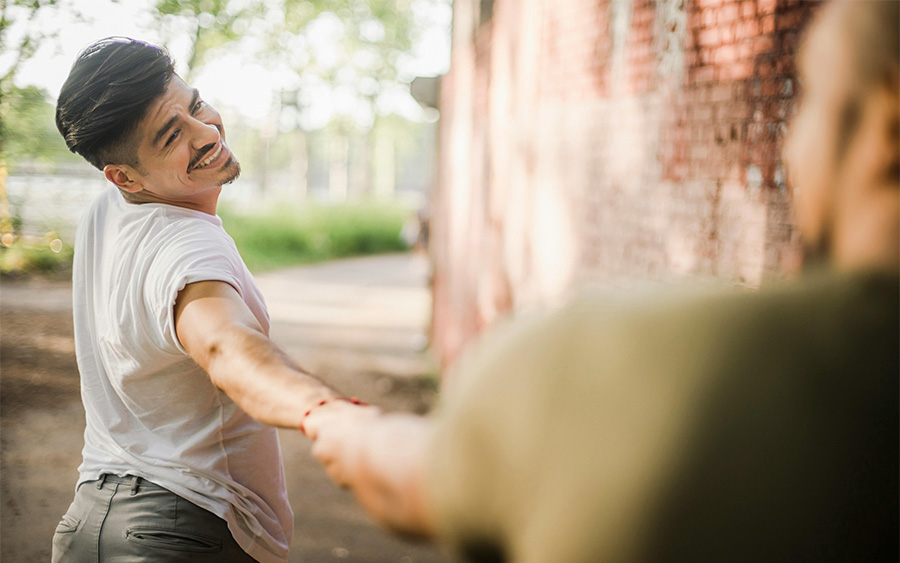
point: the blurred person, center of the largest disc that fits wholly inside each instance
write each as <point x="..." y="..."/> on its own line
<point x="179" y="380"/>
<point x="731" y="427"/>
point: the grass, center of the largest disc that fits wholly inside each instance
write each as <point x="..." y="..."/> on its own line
<point x="20" y="259"/>
<point x="284" y="236"/>
<point x="292" y="235"/>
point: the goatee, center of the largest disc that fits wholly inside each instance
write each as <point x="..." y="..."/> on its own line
<point x="232" y="169"/>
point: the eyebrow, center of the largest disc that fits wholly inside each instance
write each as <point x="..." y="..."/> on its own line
<point x="174" y="119"/>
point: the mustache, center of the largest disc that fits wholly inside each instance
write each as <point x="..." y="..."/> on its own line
<point x="200" y="154"/>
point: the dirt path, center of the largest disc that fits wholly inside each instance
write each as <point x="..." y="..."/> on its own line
<point x="359" y="324"/>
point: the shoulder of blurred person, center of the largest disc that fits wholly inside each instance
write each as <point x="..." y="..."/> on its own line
<point x="749" y="425"/>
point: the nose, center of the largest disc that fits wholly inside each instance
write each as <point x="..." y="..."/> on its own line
<point x="204" y="134"/>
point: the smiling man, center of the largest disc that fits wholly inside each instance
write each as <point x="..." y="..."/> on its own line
<point x="180" y="383"/>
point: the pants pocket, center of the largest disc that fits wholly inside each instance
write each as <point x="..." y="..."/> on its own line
<point x="175" y="540"/>
<point x="65" y="536"/>
<point x="68" y="524"/>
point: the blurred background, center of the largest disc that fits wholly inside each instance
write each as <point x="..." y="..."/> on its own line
<point x="315" y="97"/>
<point x="504" y="153"/>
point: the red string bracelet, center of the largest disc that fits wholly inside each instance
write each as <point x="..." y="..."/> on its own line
<point x="351" y="400"/>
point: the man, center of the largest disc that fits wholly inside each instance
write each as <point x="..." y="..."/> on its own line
<point x="751" y="427"/>
<point x="179" y="379"/>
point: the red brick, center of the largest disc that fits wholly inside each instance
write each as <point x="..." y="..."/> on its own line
<point x="765" y="6"/>
<point x="740" y="111"/>
<point x="763" y="45"/>
<point x="694" y="20"/>
<point x="699" y="94"/>
<point x="726" y="34"/>
<point x="784" y="66"/>
<point x="721" y="93"/>
<point x="708" y="37"/>
<point x="741" y="70"/>
<point x="746" y="29"/>
<point x="701" y="113"/>
<point x="691" y="58"/>
<point x="703" y="141"/>
<point x="728" y="13"/>
<point x="725" y="54"/>
<point x="789" y="20"/>
<point x="748" y="9"/>
<point x="689" y="41"/>
<point x="723" y="73"/>
<point x="699" y="152"/>
<point x="789" y="41"/>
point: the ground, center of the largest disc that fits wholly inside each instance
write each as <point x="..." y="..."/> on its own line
<point x="359" y="324"/>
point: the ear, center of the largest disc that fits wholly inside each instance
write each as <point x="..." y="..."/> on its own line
<point x="891" y="99"/>
<point x="873" y="158"/>
<point x="885" y="105"/>
<point x="124" y="177"/>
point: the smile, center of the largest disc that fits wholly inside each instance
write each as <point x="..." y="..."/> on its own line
<point x="208" y="160"/>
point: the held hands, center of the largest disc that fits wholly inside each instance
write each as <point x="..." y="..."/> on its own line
<point x="380" y="457"/>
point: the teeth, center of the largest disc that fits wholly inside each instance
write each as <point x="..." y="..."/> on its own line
<point x="211" y="158"/>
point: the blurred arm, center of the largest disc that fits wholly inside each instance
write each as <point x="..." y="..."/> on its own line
<point x="220" y="333"/>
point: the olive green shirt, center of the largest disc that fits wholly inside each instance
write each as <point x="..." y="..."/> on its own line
<point x="753" y="426"/>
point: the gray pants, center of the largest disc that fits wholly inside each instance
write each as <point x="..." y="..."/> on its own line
<point x="128" y="519"/>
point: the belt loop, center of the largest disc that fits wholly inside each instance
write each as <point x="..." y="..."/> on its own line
<point x="101" y="481"/>
<point x="134" y="484"/>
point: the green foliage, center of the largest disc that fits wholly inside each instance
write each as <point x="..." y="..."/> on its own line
<point x="211" y="23"/>
<point x="21" y="33"/>
<point x="24" y="259"/>
<point x="291" y="235"/>
<point x="28" y="131"/>
<point x="285" y="236"/>
<point x="23" y="47"/>
<point x="362" y="57"/>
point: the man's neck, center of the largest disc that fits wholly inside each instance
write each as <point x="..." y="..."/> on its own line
<point x="206" y="205"/>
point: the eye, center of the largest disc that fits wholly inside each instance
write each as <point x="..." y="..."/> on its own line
<point x="198" y="106"/>
<point x="173" y="136"/>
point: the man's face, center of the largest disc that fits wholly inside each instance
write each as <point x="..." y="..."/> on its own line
<point x="811" y="150"/>
<point x="182" y="153"/>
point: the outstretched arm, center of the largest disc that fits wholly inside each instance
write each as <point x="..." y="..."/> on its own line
<point x="382" y="458"/>
<point x="220" y="333"/>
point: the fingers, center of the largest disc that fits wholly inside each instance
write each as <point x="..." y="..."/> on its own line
<point x="335" y="415"/>
<point x="333" y="467"/>
<point x="340" y="439"/>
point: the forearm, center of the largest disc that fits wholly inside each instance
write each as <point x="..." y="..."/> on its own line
<point x="260" y="378"/>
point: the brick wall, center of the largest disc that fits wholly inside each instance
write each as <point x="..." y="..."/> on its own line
<point x="608" y="142"/>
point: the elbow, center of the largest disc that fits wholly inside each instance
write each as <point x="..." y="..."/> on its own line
<point x="212" y="350"/>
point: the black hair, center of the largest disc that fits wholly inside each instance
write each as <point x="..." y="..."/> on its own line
<point x="107" y="93"/>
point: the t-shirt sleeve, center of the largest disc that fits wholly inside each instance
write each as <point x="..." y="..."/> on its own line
<point x="198" y="253"/>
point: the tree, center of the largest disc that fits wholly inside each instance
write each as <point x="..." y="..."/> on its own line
<point x="348" y="49"/>
<point x="15" y="19"/>
<point x="210" y="24"/>
<point x="363" y="55"/>
<point x="28" y="129"/>
<point x="21" y="33"/>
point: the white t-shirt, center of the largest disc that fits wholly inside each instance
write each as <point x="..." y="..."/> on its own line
<point x="151" y="411"/>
